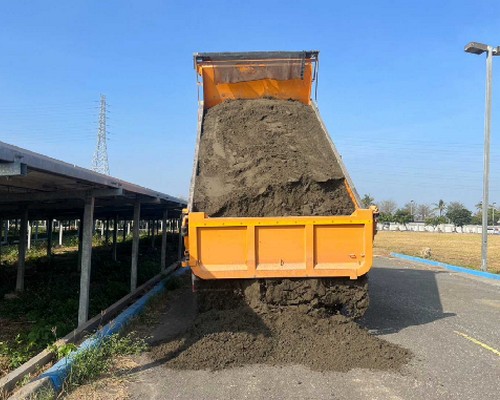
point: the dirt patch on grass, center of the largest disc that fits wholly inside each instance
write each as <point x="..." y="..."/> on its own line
<point x="267" y="157"/>
<point x="113" y="386"/>
<point x="452" y="248"/>
<point x="4" y="366"/>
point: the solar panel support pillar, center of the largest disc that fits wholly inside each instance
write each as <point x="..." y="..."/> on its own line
<point x="163" y="263"/>
<point x="28" y="246"/>
<point x="124" y="233"/>
<point x="115" y="233"/>
<point x="60" y="242"/>
<point x="88" y="218"/>
<point x="135" y="245"/>
<point x="23" y="235"/>
<point x="49" y="237"/>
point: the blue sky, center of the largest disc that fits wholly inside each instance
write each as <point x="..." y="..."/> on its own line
<point x="402" y="101"/>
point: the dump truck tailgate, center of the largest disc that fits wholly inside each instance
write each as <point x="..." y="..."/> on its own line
<point x="281" y="247"/>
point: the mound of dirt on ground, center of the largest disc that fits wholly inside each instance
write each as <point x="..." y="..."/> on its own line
<point x="266" y="157"/>
<point x="221" y="339"/>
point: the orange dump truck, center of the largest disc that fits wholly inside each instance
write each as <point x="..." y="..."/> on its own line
<point x="334" y="251"/>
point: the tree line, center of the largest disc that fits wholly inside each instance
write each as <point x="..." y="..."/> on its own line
<point x="433" y="214"/>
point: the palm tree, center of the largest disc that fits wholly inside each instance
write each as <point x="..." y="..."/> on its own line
<point x="367" y="200"/>
<point x="440" y="207"/>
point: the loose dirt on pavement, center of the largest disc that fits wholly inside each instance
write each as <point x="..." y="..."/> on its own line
<point x="220" y="339"/>
<point x="239" y="335"/>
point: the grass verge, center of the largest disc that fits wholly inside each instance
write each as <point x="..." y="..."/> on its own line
<point x="463" y="250"/>
<point x="96" y="362"/>
<point x="100" y="360"/>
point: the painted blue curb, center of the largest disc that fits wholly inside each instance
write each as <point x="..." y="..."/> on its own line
<point x="60" y="370"/>
<point x="450" y="267"/>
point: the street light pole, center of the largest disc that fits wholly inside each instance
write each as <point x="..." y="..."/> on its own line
<point x="480" y="48"/>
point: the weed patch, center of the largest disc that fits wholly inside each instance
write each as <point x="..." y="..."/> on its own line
<point x="97" y="361"/>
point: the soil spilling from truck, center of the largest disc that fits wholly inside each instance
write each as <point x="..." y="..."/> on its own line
<point x="264" y="158"/>
<point x="243" y="334"/>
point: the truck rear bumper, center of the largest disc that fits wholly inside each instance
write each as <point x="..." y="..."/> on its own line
<point x="279" y="247"/>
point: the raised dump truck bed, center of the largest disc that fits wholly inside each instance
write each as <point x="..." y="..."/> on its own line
<point x="270" y="196"/>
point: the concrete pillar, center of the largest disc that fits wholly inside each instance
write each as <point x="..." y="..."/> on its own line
<point x="80" y="238"/>
<point x="135" y="246"/>
<point x="128" y="228"/>
<point x="49" y="237"/>
<point x="22" y="251"/>
<point x="36" y="230"/>
<point x="28" y="246"/>
<point x="180" y="244"/>
<point x="60" y="233"/>
<point x="88" y="218"/>
<point x="102" y="228"/>
<point x="115" y="233"/>
<point x="1" y="232"/>
<point x="124" y="233"/>
<point x="163" y="262"/>
<point x="106" y="240"/>
<point x="153" y="236"/>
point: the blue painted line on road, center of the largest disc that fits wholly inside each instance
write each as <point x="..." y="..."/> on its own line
<point x="450" y="267"/>
<point x="59" y="371"/>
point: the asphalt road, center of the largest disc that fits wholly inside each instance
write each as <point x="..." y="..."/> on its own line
<point x="450" y="321"/>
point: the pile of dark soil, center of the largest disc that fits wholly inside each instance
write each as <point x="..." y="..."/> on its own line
<point x="266" y="157"/>
<point x="221" y="339"/>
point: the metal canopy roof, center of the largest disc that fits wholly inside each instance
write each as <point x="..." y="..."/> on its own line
<point x="54" y="189"/>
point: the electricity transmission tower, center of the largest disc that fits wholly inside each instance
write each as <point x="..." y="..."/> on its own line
<point x="100" y="160"/>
